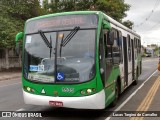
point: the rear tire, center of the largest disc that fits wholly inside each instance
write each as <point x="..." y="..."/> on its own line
<point x="136" y="80"/>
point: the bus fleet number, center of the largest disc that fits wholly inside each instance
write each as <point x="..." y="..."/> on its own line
<point x="70" y="90"/>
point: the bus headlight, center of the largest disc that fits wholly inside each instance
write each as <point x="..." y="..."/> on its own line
<point x="28" y="89"/>
<point x="88" y="91"/>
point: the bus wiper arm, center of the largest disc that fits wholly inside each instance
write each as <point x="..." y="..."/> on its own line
<point x="69" y="36"/>
<point x="48" y="44"/>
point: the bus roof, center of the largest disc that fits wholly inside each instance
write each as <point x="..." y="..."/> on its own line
<point x="111" y="20"/>
<point x="64" y="13"/>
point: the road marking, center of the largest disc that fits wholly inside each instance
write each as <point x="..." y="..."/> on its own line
<point x="108" y="118"/>
<point x="21" y="109"/>
<point x="10" y="84"/>
<point x="145" y="104"/>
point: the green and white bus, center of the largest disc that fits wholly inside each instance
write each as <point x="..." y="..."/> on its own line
<point x="82" y="59"/>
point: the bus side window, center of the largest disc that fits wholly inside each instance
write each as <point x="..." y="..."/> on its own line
<point x="105" y="35"/>
<point x="129" y="47"/>
<point x="135" y="46"/>
<point x="139" y="46"/>
<point x="120" y="46"/>
<point x="102" y="58"/>
<point x="116" y="48"/>
<point x="136" y="43"/>
<point x="108" y="53"/>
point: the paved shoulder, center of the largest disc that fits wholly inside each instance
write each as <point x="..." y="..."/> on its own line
<point x="9" y="75"/>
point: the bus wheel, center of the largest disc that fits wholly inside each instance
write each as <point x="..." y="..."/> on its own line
<point x="116" y="95"/>
<point x="136" y="80"/>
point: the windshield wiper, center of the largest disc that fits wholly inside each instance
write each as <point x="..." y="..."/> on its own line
<point x="68" y="38"/>
<point x="48" y="44"/>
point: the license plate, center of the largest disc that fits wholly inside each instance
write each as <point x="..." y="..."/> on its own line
<point x="56" y="103"/>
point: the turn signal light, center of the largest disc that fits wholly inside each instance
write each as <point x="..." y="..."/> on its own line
<point x="29" y="89"/>
<point x="82" y="92"/>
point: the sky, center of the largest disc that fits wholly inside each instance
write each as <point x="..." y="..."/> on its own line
<point x="145" y="14"/>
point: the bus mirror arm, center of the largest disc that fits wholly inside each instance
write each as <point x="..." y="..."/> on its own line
<point x="17" y="49"/>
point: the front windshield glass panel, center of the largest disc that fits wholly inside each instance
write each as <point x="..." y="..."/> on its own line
<point x="75" y="60"/>
<point x="38" y="65"/>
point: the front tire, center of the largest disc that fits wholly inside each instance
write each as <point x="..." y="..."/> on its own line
<point x="114" y="103"/>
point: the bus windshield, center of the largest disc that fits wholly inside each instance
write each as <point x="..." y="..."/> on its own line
<point x="75" y="63"/>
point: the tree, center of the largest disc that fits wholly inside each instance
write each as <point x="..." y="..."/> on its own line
<point x="13" y="15"/>
<point x="114" y="8"/>
<point x="128" y="24"/>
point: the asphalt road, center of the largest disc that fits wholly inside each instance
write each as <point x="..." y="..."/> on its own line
<point x="11" y="99"/>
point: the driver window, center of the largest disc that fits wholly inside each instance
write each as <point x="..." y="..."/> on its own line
<point x="108" y="48"/>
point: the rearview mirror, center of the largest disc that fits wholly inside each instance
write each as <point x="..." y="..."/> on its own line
<point x="19" y="37"/>
<point x="110" y="40"/>
<point x="106" y="25"/>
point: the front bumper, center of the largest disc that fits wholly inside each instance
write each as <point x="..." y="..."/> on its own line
<point x="96" y="101"/>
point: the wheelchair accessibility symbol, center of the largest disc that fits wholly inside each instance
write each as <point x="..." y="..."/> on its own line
<point x="60" y="76"/>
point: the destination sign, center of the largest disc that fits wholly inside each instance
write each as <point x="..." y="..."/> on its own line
<point x="65" y="21"/>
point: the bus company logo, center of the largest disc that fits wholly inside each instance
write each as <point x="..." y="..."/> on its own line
<point x="6" y="114"/>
